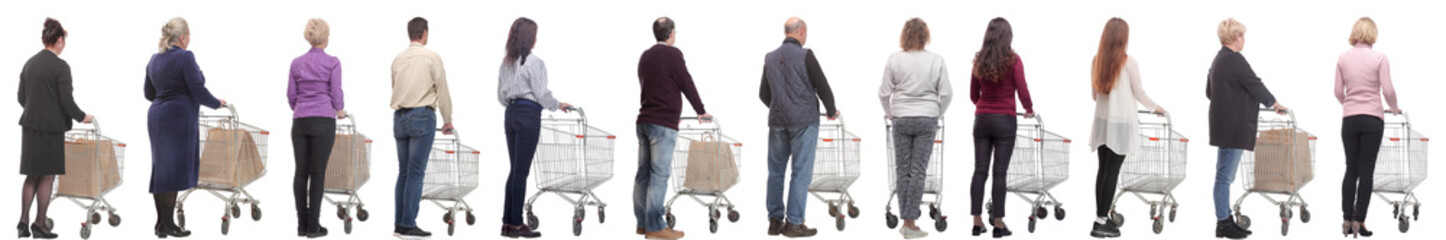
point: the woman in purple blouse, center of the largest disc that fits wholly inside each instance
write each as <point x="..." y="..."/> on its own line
<point x="314" y="91"/>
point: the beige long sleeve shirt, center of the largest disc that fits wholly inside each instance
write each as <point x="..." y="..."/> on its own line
<point x="418" y="80"/>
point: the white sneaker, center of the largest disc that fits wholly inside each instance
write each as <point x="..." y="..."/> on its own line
<point x="911" y="233"/>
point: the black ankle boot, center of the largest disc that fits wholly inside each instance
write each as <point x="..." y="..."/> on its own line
<point x="166" y="230"/>
<point x="1226" y="228"/>
<point x="24" y="229"/>
<point x="40" y="232"/>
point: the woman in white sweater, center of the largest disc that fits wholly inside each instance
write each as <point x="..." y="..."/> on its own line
<point x="915" y="93"/>
<point x="1117" y="94"/>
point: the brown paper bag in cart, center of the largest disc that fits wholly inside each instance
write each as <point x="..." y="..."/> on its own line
<point x="348" y="167"/>
<point x="710" y="165"/>
<point x="1275" y="169"/>
<point x="90" y="168"/>
<point x="230" y="158"/>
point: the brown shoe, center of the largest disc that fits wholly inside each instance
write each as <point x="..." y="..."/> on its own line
<point x="797" y="230"/>
<point x="641" y="231"/>
<point x="665" y="234"/>
<point x="774" y="225"/>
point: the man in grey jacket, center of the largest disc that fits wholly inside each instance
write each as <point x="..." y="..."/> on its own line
<point x="793" y="84"/>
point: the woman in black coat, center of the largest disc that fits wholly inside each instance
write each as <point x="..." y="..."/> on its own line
<point x="45" y="94"/>
<point x="1236" y="95"/>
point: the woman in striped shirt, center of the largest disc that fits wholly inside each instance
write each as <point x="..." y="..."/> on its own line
<point x="522" y="88"/>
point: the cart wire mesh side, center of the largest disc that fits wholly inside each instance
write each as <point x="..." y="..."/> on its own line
<point x="94" y="164"/>
<point x="836" y="168"/>
<point x="933" y="179"/>
<point x="1039" y="163"/>
<point x="572" y="159"/>
<point x="347" y="170"/>
<point x="1153" y="172"/>
<point x="1283" y="163"/>
<point x="452" y="172"/>
<point x="233" y="155"/>
<point x="715" y="171"/>
<point x="1400" y="168"/>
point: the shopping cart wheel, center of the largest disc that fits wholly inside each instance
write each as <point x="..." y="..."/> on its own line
<point x="340" y="212"/>
<point x="346" y="226"/>
<point x="1172" y="213"/>
<point x="732" y="215"/>
<point x="713" y="225"/>
<point x="600" y="216"/>
<point x="114" y="220"/>
<point x="235" y="210"/>
<point x="471" y="219"/>
<point x="1118" y="218"/>
<point x="1154" y="209"/>
<point x="1032" y="222"/>
<point x="853" y="211"/>
<point x="85" y="231"/>
<point x="1416" y="212"/>
<point x="225" y="225"/>
<point x="94" y="218"/>
<point x="532" y="221"/>
<point x="49" y="224"/>
<point x="833" y="210"/>
<point x="1284" y="228"/>
<point x="1159" y="225"/>
<point x="180" y="218"/>
<point x="941" y="225"/>
<point x="1058" y="213"/>
<point x="933" y="212"/>
<point x="577" y="226"/>
<point x="1403" y="225"/>
<point x="362" y="214"/>
<point x="1395" y="210"/>
<point x="1040" y="212"/>
<point x="672" y="221"/>
<point x="451" y="229"/>
<point x="891" y="220"/>
<point x="255" y="212"/>
<point x="838" y="222"/>
<point x="1304" y="215"/>
<point x="1243" y="221"/>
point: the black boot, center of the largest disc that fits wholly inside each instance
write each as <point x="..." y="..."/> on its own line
<point x="519" y="231"/>
<point x="24" y="229"/>
<point x="774" y="225"/>
<point x="1107" y="230"/>
<point x="1226" y="228"/>
<point x="168" y="230"/>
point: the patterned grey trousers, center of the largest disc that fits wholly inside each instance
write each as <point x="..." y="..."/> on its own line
<point x="913" y="143"/>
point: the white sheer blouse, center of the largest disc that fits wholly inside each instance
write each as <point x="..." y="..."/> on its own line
<point x="1116" y="120"/>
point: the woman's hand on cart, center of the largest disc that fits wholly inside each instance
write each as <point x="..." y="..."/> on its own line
<point x="1279" y="109"/>
<point x="566" y="108"/>
<point x="341" y="114"/>
<point x="223" y="103"/>
<point x="88" y="119"/>
<point x="1159" y="111"/>
<point x="1396" y="111"/>
<point x="1029" y="115"/>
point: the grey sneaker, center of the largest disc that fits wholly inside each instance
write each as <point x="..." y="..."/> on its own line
<point x="911" y="233"/>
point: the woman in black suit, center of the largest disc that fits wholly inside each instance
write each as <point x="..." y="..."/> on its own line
<point x="45" y="94"/>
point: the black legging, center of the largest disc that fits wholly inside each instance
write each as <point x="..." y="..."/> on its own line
<point x="1107" y="179"/>
<point x="37" y="188"/>
<point x="993" y="135"/>
<point x="165" y="205"/>
<point x="1361" y="135"/>
<point x="311" y="140"/>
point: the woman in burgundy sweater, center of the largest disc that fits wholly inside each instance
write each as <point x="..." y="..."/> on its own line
<point x="998" y="74"/>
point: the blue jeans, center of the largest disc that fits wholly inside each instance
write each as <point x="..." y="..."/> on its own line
<point x="523" y="124"/>
<point x="1225" y="166"/>
<point x="650" y="187"/>
<point x="800" y="143"/>
<point x="414" y="130"/>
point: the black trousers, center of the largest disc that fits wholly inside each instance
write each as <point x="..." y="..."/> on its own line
<point x="1361" y="135"/>
<point x="523" y="124"/>
<point x="993" y="135"/>
<point x="311" y="140"/>
<point x="1106" y="179"/>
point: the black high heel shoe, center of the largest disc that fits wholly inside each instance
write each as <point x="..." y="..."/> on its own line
<point x="25" y="231"/>
<point x="979" y="229"/>
<point x="40" y="232"/>
<point x="1361" y="229"/>
<point x="163" y="231"/>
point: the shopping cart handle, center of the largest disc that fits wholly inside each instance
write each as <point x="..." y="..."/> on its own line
<point x="232" y="108"/>
<point x="1037" y="117"/>
<point x="577" y="109"/>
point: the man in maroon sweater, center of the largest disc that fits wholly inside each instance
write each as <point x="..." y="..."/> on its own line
<point x="662" y="75"/>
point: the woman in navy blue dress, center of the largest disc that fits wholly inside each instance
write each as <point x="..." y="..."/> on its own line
<point x="176" y="89"/>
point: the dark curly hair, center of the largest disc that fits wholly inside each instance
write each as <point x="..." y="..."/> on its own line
<point x="996" y="58"/>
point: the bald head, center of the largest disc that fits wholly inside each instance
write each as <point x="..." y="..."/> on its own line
<point x="795" y="28"/>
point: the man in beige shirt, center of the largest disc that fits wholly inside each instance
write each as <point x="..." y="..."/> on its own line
<point x="419" y="87"/>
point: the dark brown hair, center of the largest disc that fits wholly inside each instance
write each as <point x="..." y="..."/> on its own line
<point x="520" y="40"/>
<point x="915" y="36"/>
<point x="1110" y="60"/>
<point x="996" y="57"/>
<point x="416" y="28"/>
<point x="52" y="33"/>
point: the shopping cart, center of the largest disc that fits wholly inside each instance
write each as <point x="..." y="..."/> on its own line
<point x="1039" y="163"/>
<point x="1155" y="170"/>
<point x="836" y="167"/>
<point x="347" y="170"/>
<point x="233" y="155"/>
<point x="93" y="165"/>
<point x="1282" y="163"/>
<point x="933" y="179"/>
<point x="573" y="158"/>
<point x="1400" y="168"/>
<point x="705" y="142"/>
<point x="451" y="175"/>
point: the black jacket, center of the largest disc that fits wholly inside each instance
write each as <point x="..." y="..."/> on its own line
<point x="45" y="94"/>
<point x="1236" y="96"/>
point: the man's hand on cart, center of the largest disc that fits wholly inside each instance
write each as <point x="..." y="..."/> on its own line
<point x="705" y="118"/>
<point x="447" y="128"/>
<point x="88" y="119"/>
<point x="835" y="115"/>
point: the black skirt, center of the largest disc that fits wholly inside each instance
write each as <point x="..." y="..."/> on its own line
<point x="42" y="153"/>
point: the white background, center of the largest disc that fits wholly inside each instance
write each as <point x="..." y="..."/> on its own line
<point x="592" y="47"/>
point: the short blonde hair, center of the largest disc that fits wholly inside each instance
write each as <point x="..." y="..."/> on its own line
<point x="173" y="30"/>
<point x="1229" y="29"/>
<point x="317" y="32"/>
<point x="1364" y="31"/>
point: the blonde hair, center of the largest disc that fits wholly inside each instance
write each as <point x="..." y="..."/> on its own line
<point x="1364" y="31"/>
<point x="1229" y="29"/>
<point x="172" y="32"/>
<point x="915" y="35"/>
<point x="317" y="32"/>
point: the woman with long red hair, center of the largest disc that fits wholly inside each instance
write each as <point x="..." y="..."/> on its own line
<point x="1117" y="93"/>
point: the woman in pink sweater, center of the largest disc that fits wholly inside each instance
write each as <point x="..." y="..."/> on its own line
<point x="1363" y="77"/>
